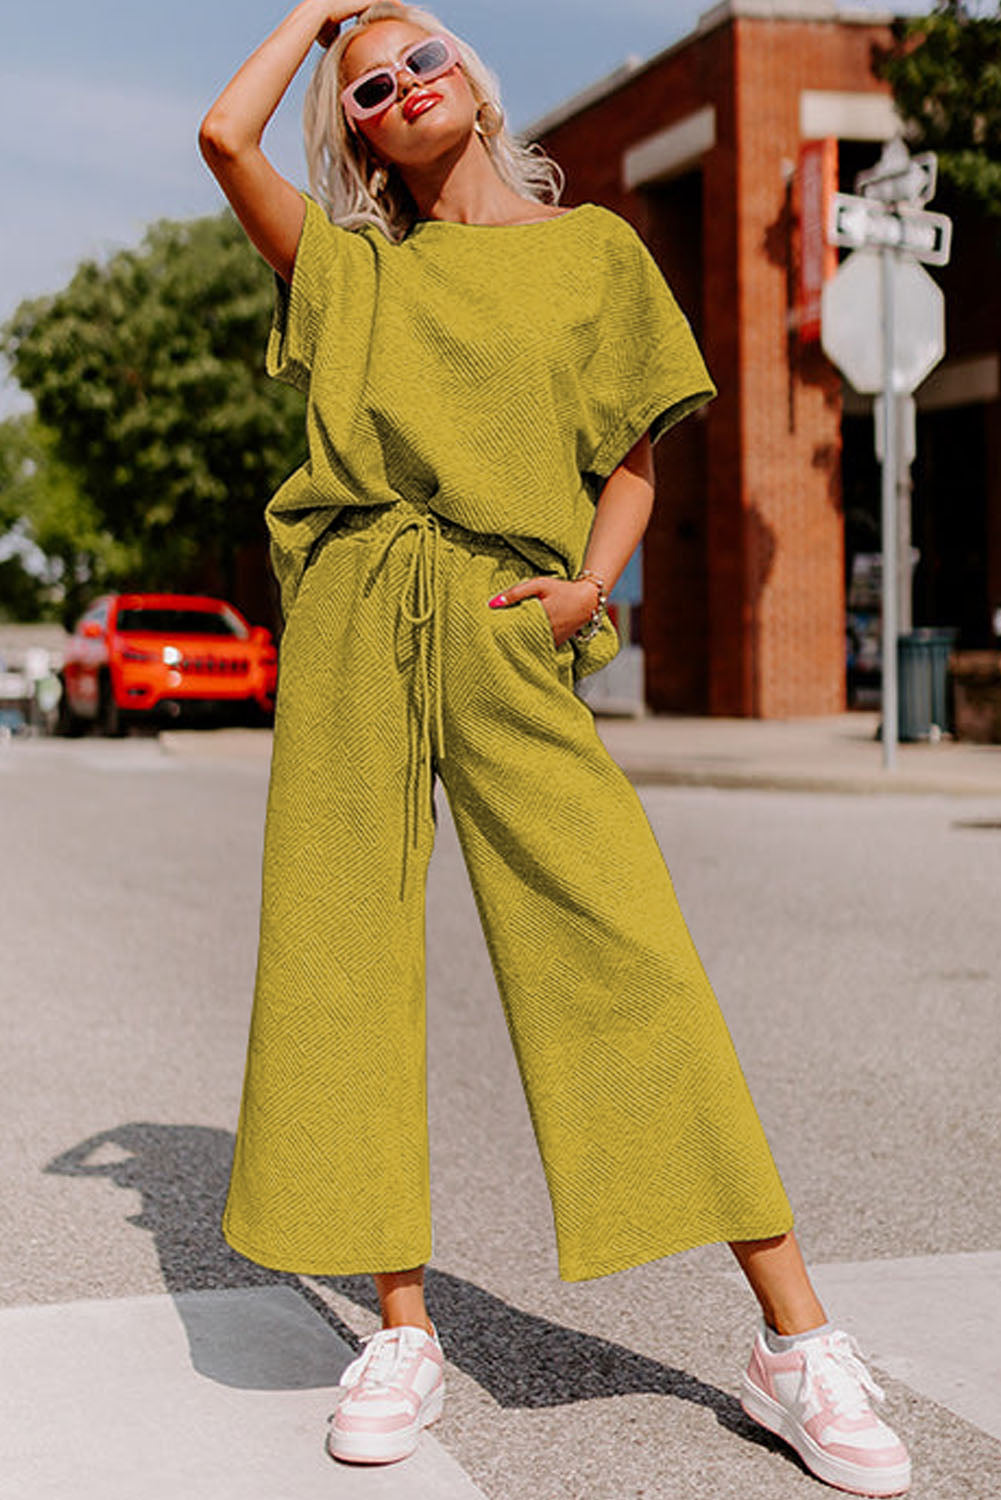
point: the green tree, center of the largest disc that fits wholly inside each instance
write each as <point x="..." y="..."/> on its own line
<point x="22" y="593"/>
<point x="945" y="72"/>
<point x="42" y="502"/>
<point x="149" y="372"/>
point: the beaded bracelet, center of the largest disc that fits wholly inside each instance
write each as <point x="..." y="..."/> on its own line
<point x="592" y="624"/>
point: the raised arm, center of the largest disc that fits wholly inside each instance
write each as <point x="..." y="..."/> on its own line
<point x="266" y="203"/>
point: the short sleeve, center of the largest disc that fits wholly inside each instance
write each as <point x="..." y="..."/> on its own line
<point x="647" y="371"/>
<point x="300" y="306"/>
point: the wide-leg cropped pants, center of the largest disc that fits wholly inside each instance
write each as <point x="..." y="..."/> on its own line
<point x="394" y="672"/>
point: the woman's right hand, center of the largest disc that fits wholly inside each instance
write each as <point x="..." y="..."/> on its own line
<point x="268" y="206"/>
<point x="331" y="28"/>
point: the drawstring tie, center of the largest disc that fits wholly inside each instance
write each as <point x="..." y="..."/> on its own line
<point x="422" y="586"/>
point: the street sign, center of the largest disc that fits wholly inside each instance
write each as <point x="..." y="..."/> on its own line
<point x="816" y="181"/>
<point x="858" y="222"/>
<point x="883" y="324"/>
<point x="851" y="316"/>
<point x="899" y="177"/>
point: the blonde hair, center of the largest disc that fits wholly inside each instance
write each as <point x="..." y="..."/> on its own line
<point x="340" y="162"/>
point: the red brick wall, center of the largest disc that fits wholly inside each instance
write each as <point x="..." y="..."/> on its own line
<point x="691" y="638"/>
<point x="764" y="467"/>
<point x="793" y="588"/>
<point x="729" y="661"/>
<point x="675" y="615"/>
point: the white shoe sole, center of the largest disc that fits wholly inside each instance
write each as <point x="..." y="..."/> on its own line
<point x="385" y="1447"/>
<point x="839" y="1472"/>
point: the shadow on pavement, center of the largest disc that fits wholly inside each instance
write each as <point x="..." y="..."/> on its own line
<point x="523" y="1361"/>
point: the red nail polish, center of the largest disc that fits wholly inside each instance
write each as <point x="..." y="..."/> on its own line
<point x="497" y="600"/>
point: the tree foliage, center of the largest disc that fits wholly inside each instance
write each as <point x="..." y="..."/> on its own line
<point x="43" y="507"/>
<point x="149" y="372"/>
<point x="945" y="72"/>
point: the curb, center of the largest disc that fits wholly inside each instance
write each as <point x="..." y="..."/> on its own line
<point x="777" y="781"/>
<point x="250" y="747"/>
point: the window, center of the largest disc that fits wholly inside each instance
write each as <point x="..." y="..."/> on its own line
<point x="167" y="621"/>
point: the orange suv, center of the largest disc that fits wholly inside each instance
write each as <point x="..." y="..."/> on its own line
<point x="135" y="657"/>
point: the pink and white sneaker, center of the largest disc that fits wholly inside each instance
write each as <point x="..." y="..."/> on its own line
<point x="387" y="1395"/>
<point x="815" y="1397"/>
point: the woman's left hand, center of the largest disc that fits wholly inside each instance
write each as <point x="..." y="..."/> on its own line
<point x="568" y="602"/>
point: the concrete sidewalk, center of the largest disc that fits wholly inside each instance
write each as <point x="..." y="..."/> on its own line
<point x="839" y="753"/>
<point x="208" y="1395"/>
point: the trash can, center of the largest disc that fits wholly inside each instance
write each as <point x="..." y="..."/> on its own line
<point x="923" y="682"/>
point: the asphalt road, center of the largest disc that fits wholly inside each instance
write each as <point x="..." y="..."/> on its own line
<point x="853" y="944"/>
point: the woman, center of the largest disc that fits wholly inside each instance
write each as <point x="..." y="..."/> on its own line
<point x="486" y="374"/>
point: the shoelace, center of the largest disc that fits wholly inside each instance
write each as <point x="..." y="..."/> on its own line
<point x="377" y="1364"/>
<point x="836" y="1363"/>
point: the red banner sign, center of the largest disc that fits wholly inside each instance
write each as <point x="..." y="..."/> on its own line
<point x="817" y="180"/>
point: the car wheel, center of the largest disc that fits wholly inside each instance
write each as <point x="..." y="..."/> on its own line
<point x="67" y="724"/>
<point x="256" y="716"/>
<point x="111" y="718"/>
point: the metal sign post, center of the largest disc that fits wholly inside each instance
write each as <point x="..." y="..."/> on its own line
<point x="881" y="285"/>
<point x="907" y="451"/>
<point x="888" y="516"/>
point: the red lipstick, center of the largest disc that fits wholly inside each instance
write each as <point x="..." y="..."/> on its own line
<point x="417" y="103"/>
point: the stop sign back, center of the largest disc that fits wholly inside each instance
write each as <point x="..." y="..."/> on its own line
<point x="852" y="314"/>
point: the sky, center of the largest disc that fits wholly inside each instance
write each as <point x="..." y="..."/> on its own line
<point x="100" y="105"/>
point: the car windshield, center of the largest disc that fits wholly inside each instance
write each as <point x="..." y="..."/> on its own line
<point x="180" y="622"/>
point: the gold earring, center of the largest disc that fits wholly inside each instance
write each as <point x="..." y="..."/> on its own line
<point x="496" y="116"/>
<point x="377" y="181"/>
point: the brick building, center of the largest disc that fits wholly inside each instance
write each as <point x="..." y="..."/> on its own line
<point x="744" y="561"/>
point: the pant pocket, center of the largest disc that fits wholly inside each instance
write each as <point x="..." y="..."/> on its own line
<point x="556" y="654"/>
<point x="534" y="608"/>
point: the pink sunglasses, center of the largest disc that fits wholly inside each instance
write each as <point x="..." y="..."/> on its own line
<point x="371" y="93"/>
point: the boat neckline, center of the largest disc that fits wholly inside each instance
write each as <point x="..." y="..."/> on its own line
<point x="522" y="224"/>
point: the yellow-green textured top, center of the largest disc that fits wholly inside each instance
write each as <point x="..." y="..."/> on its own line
<point x="498" y="373"/>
